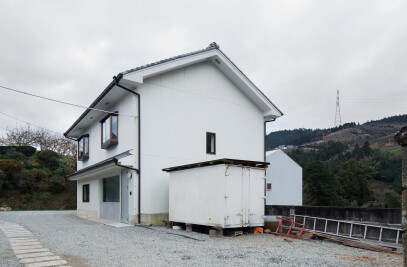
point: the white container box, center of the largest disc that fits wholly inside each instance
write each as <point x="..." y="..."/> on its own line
<point x="221" y="193"/>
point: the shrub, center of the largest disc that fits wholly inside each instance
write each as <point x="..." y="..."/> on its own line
<point x="392" y="199"/>
<point x="2" y="178"/>
<point x="55" y="186"/>
<point x="53" y="164"/>
<point x="46" y="155"/>
<point x="13" y="154"/>
<point x="10" y="167"/>
<point x="26" y="150"/>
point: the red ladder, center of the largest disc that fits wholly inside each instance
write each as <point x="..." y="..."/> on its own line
<point x="292" y="225"/>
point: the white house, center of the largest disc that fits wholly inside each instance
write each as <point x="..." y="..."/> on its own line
<point x="190" y="108"/>
<point x="284" y="180"/>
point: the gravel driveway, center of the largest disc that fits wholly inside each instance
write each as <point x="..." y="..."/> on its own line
<point x="86" y="243"/>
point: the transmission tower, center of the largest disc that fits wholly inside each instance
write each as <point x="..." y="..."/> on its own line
<point x="338" y="121"/>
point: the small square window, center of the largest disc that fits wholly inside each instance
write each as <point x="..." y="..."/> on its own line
<point x="109" y="130"/>
<point x="268" y="187"/>
<point x="211" y="143"/>
<point x="85" y="193"/>
<point x="83" y="147"/>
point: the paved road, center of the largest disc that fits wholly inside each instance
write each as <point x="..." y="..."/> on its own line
<point x="81" y="242"/>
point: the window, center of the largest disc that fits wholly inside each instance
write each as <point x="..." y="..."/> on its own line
<point x="110" y="134"/>
<point x="85" y="193"/>
<point x="83" y="148"/>
<point x="111" y="189"/>
<point x="268" y="187"/>
<point x="210" y="143"/>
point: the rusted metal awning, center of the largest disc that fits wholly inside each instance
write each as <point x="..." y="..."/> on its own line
<point x="238" y="162"/>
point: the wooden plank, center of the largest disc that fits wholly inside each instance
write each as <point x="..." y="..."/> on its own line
<point x="355" y="243"/>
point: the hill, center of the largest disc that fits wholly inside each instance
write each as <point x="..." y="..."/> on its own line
<point x="378" y="133"/>
<point x="35" y="180"/>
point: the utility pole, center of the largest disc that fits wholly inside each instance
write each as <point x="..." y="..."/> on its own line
<point x="338" y="121"/>
<point x="401" y="139"/>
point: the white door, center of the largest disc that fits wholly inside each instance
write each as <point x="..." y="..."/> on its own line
<point x="256" y="196"/>
<point x="234" y="213"/>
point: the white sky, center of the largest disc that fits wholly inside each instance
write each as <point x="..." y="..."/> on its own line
<point x="297" y="52"/>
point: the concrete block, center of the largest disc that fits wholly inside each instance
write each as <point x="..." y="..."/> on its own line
<point x="219" y="232"/>
<point x="212" y="232"/>
<point x="188" y="227"/>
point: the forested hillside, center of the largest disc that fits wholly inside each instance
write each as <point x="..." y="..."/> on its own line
<point x="35" y="180"/>
<point x="352" y="165"/>
<point x="336" y="174"/>
<point x="349" y="133"/>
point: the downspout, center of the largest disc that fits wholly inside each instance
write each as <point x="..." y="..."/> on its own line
<point x="265" y="170"/>
<point x="265" y="135"/>
<point x="117" y="80"/>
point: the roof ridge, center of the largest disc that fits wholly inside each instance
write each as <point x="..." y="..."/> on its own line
<point x="211" y="46"/>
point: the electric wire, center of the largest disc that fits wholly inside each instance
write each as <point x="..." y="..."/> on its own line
<point x="59" y="101"/>
<point x="31" y="124"/>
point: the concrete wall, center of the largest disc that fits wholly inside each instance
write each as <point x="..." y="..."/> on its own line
<point x="374" y="215"/>
<point x="285" y="177"/>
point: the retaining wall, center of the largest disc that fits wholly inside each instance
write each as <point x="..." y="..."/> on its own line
<point x="371" y="215"/>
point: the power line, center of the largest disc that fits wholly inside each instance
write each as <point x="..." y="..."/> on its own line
<point x="29" y="123"/>
<point x="59" y="101"/>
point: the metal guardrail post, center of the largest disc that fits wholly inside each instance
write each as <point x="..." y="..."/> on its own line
<point x="364" y="235"/>
<point x="351" y="228"/>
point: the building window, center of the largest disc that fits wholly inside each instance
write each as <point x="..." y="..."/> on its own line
<point x="109" y="127"/>
<point x="85" y="193"/>
<point x="268" y="187"/>
<point x="83" y="148"/>
<point x="210" y="143"/>
<point x="111" y="189"/>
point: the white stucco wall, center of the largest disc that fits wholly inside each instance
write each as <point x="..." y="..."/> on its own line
<point x="177" y="109"/>
<point x="91" y="208"/>
<point x="127" y="134"/>
<point x="285" y="176"/>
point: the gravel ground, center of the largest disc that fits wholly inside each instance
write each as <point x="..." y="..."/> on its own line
<point x="86" y="243"/>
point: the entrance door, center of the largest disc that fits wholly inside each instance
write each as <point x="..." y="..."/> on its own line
<point x="110" y="205"/>
<point x="125" y="197"/>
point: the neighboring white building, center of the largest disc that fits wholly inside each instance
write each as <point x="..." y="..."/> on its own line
<point x="190" y="108"/>
<point x="284" y="180"/>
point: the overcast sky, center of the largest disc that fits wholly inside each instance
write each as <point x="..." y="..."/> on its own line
<point x="297" y="52"/>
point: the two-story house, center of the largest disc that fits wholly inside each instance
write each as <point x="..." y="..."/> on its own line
<point x="190" y="108"/>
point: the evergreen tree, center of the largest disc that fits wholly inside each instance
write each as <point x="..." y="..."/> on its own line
<point x="321" y="185"/>
<point x="354" y="177"/>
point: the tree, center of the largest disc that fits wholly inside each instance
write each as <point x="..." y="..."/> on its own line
<point x="354" y="177"/>
<point x="392" y="199"/>
<point x="41" y="138"/>
<point x="321" y="185"/>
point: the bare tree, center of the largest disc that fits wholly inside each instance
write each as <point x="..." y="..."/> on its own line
<point x="41" y="138"/>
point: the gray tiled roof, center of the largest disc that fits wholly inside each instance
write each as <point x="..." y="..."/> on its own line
<point x="212" y="46"/>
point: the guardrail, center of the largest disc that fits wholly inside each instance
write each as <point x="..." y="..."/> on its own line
<point x="350" y="229"/>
